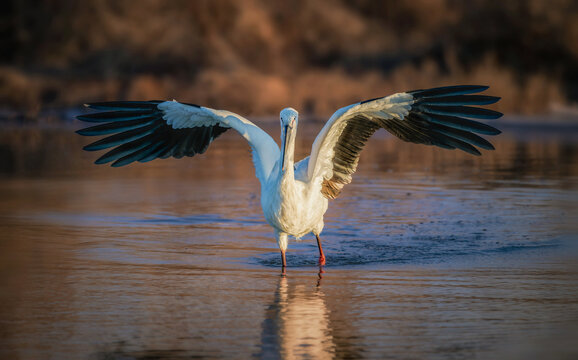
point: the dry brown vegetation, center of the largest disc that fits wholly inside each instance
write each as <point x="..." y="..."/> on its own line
<point x="258" y="56"/>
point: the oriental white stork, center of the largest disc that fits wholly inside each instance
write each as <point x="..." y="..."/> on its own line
<point x="294" y="196"/>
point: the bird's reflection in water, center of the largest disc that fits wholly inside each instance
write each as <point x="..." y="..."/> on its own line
<point x="296" y="324"/>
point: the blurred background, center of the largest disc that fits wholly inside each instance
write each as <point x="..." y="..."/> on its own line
<point x="256" y="56"/>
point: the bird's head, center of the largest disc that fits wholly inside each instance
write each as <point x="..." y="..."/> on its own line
<point x="289" y="120"/>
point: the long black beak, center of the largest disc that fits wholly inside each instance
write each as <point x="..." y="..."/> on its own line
<point x="284" y="149"/>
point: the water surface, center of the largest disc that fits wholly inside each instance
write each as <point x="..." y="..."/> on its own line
<point x="431" y="254"/>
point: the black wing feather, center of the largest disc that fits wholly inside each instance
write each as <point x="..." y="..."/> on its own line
<point x="114" y="127"/>
<point x="125" y="105"/>
<point x="461" y="123"/>
<point x="462" y="111"/>
<point x="448" y="91"/>
<point x="138" y="132"/>
<point x="440" y="117"/>
<point x="123" y="137"/>
<point x="110" y="116"/>
<point x="458" y="100"/>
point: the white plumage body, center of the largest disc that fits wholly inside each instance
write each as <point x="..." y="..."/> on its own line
<point x="294" y="207"/>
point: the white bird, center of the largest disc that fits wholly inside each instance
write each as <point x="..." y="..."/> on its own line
<point x="294" y="196"/>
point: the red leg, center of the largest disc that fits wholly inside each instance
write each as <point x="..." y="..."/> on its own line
<point x="283" y="262"/>
<point x="321" y="255"/>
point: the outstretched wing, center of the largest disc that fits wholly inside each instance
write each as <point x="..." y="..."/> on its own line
<point x="146" y="130"/>
<point x="432" y="117"/>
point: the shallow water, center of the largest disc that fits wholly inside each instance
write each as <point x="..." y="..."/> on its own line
<point x="431" y="254"/>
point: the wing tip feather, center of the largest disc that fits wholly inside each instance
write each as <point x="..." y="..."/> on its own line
<point x="448" y="90"/>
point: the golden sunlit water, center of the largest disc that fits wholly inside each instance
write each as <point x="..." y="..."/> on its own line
<point x="430" y="254"/>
